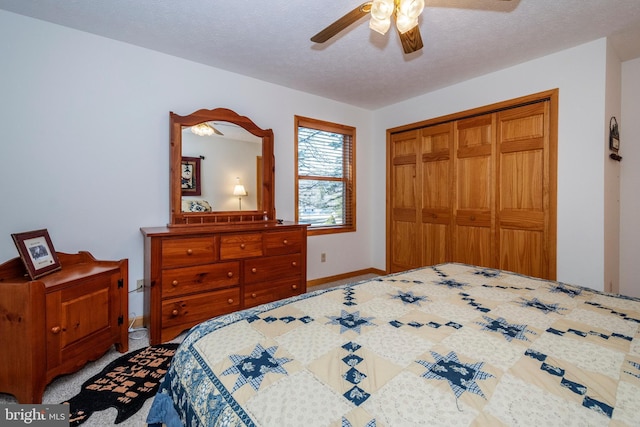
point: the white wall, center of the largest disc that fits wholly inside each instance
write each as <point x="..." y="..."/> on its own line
<point x="579" y="73"/>
<point x="85" y="142"/>
<point x="630" y="180"/>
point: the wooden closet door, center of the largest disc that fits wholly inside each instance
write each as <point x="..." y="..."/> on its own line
<point x="436" y="193"/>
<point x="476" y="187"/>
<point x="474" y="231"/>
<point x="526" y="192"/>
<point x="404" y="232"/>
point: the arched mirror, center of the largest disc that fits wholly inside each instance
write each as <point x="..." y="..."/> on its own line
<point x="222" y="169"/>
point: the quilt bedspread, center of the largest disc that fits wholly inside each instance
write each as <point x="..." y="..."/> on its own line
<point x="445" y="345"/>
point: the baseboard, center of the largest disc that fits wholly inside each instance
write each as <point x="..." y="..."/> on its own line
<point x="323" y="280"/>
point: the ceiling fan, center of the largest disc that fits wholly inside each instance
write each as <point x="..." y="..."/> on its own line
<point x="406" y="13"/>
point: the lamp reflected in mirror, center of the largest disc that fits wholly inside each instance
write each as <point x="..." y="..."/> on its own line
<point x="239" y="190"/>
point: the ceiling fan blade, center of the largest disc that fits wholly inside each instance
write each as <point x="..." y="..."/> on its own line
<point x="411" y="40"/>
<point x="342" y="23"/>
<point x="216" y="131"/>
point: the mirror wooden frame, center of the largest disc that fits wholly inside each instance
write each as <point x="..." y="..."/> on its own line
<point x="266" y="208"/>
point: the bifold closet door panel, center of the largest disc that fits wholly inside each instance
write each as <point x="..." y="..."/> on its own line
<point x="404" y="233"/>
<point x="437" y="187"/>
<point x="524" y="204"/>
<point x="474" y="232"/>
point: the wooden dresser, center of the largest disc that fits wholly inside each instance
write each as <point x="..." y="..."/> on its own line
<point x="55" y="324"/>
<point x="196" y="273"/>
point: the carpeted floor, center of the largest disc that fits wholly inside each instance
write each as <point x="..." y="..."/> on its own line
<point x="67" y="386"/>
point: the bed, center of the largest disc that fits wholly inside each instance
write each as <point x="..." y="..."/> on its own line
<point x="445" y="345"/>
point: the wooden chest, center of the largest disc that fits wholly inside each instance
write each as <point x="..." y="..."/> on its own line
<point x="55" y="324"/>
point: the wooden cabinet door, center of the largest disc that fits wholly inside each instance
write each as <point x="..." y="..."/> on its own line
<point x="404" y="232"/>
<point x="526" y="209"/>
<point x="437" y="187"/>
<point x="473" y="236"/>
<point x="80" y="319"/>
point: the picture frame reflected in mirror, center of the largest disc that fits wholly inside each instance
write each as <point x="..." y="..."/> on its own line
<point x="190" y="176"/>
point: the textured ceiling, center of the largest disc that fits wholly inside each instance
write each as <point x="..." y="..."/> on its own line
<point x="269" y="40"/>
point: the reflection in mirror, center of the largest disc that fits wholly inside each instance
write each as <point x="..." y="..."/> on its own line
<point x="244" y="153"/>
<point x="229" y="156"/>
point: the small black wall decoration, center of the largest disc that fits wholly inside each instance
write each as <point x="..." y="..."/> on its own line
<point x="614" y="139"/>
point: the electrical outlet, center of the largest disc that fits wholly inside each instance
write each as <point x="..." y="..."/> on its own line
<point x="139" y="285"/>
<point x="323" y="257"/>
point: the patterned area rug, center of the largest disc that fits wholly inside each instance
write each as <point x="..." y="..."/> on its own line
<point x="124" y="384"/>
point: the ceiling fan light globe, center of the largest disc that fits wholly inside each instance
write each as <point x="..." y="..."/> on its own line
<point x="202" y="129"/>
<point x="411" y="8"/>
<point x="382" y="9"/>
<point x="380" y="25"/>
<point x="404" y="23"/>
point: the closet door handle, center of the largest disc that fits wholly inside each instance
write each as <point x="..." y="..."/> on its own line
<point x="56" y="329"/>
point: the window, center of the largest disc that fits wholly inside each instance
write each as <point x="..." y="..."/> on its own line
<point x="325" y="176"/>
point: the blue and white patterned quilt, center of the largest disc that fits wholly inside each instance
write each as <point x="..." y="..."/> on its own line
<point x="446" y="345"/>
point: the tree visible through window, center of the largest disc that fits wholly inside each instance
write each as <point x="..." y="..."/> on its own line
<point x="325" y="175"/>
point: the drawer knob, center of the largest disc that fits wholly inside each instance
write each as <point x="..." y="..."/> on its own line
<point x="56" y="329"/>
<point x="174" y="313"/>
<point x="253" y="295"/>
<point x="285" y="241"/>
<point x="174" y="283"/>
<point x="294" y="287"/>
<point x="230" y="300"/>
<point x="294" y="264"/>
<point x="242" y="246"/>
<point x="254" y="270"/>
<point x="230" y="274"/>
<point x="189" y="252"/>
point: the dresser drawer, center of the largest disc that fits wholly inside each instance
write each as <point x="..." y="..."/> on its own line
<point x="235" y="246"/>
<point x="283" y="242"/>
<point x="192" y="251"/>
<point x="260" y="293"/>
<point x="199" y="278"/>
<point x="194" y="309"/>
<point x="270" y="268"/>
